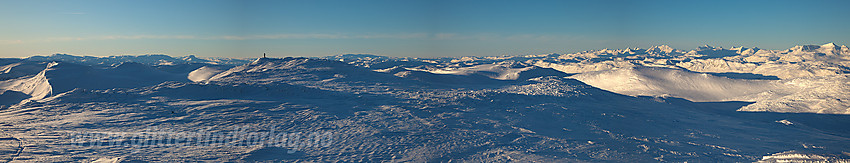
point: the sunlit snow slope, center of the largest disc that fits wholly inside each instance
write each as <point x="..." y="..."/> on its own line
<point x="677" y="83"/>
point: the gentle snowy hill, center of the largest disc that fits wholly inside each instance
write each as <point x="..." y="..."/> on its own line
<point x="299" y="69"/>
<point x="68" y="76"/>
<point x="314" y="73"/>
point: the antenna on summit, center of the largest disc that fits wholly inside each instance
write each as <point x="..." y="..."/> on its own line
<point x="264" y="55"/>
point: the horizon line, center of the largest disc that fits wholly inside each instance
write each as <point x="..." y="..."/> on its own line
<point x="194" y="54"/>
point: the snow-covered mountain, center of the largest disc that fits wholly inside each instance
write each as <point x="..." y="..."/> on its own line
<point x="709" y="104"/>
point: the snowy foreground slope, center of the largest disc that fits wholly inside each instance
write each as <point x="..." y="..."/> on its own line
<point x="633" y="105"/>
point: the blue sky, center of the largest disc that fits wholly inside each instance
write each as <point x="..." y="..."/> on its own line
<point x="408" y="27"/>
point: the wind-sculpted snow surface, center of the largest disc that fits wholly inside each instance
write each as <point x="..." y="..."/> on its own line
<point x="633" y="105"/>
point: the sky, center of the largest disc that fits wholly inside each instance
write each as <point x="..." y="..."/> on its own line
<point x="414" y="28"/>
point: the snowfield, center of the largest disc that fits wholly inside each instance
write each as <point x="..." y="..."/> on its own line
<point x="709" y="104"/>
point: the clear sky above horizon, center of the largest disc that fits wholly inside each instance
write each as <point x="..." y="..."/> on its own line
<point x="408" y="28"/>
